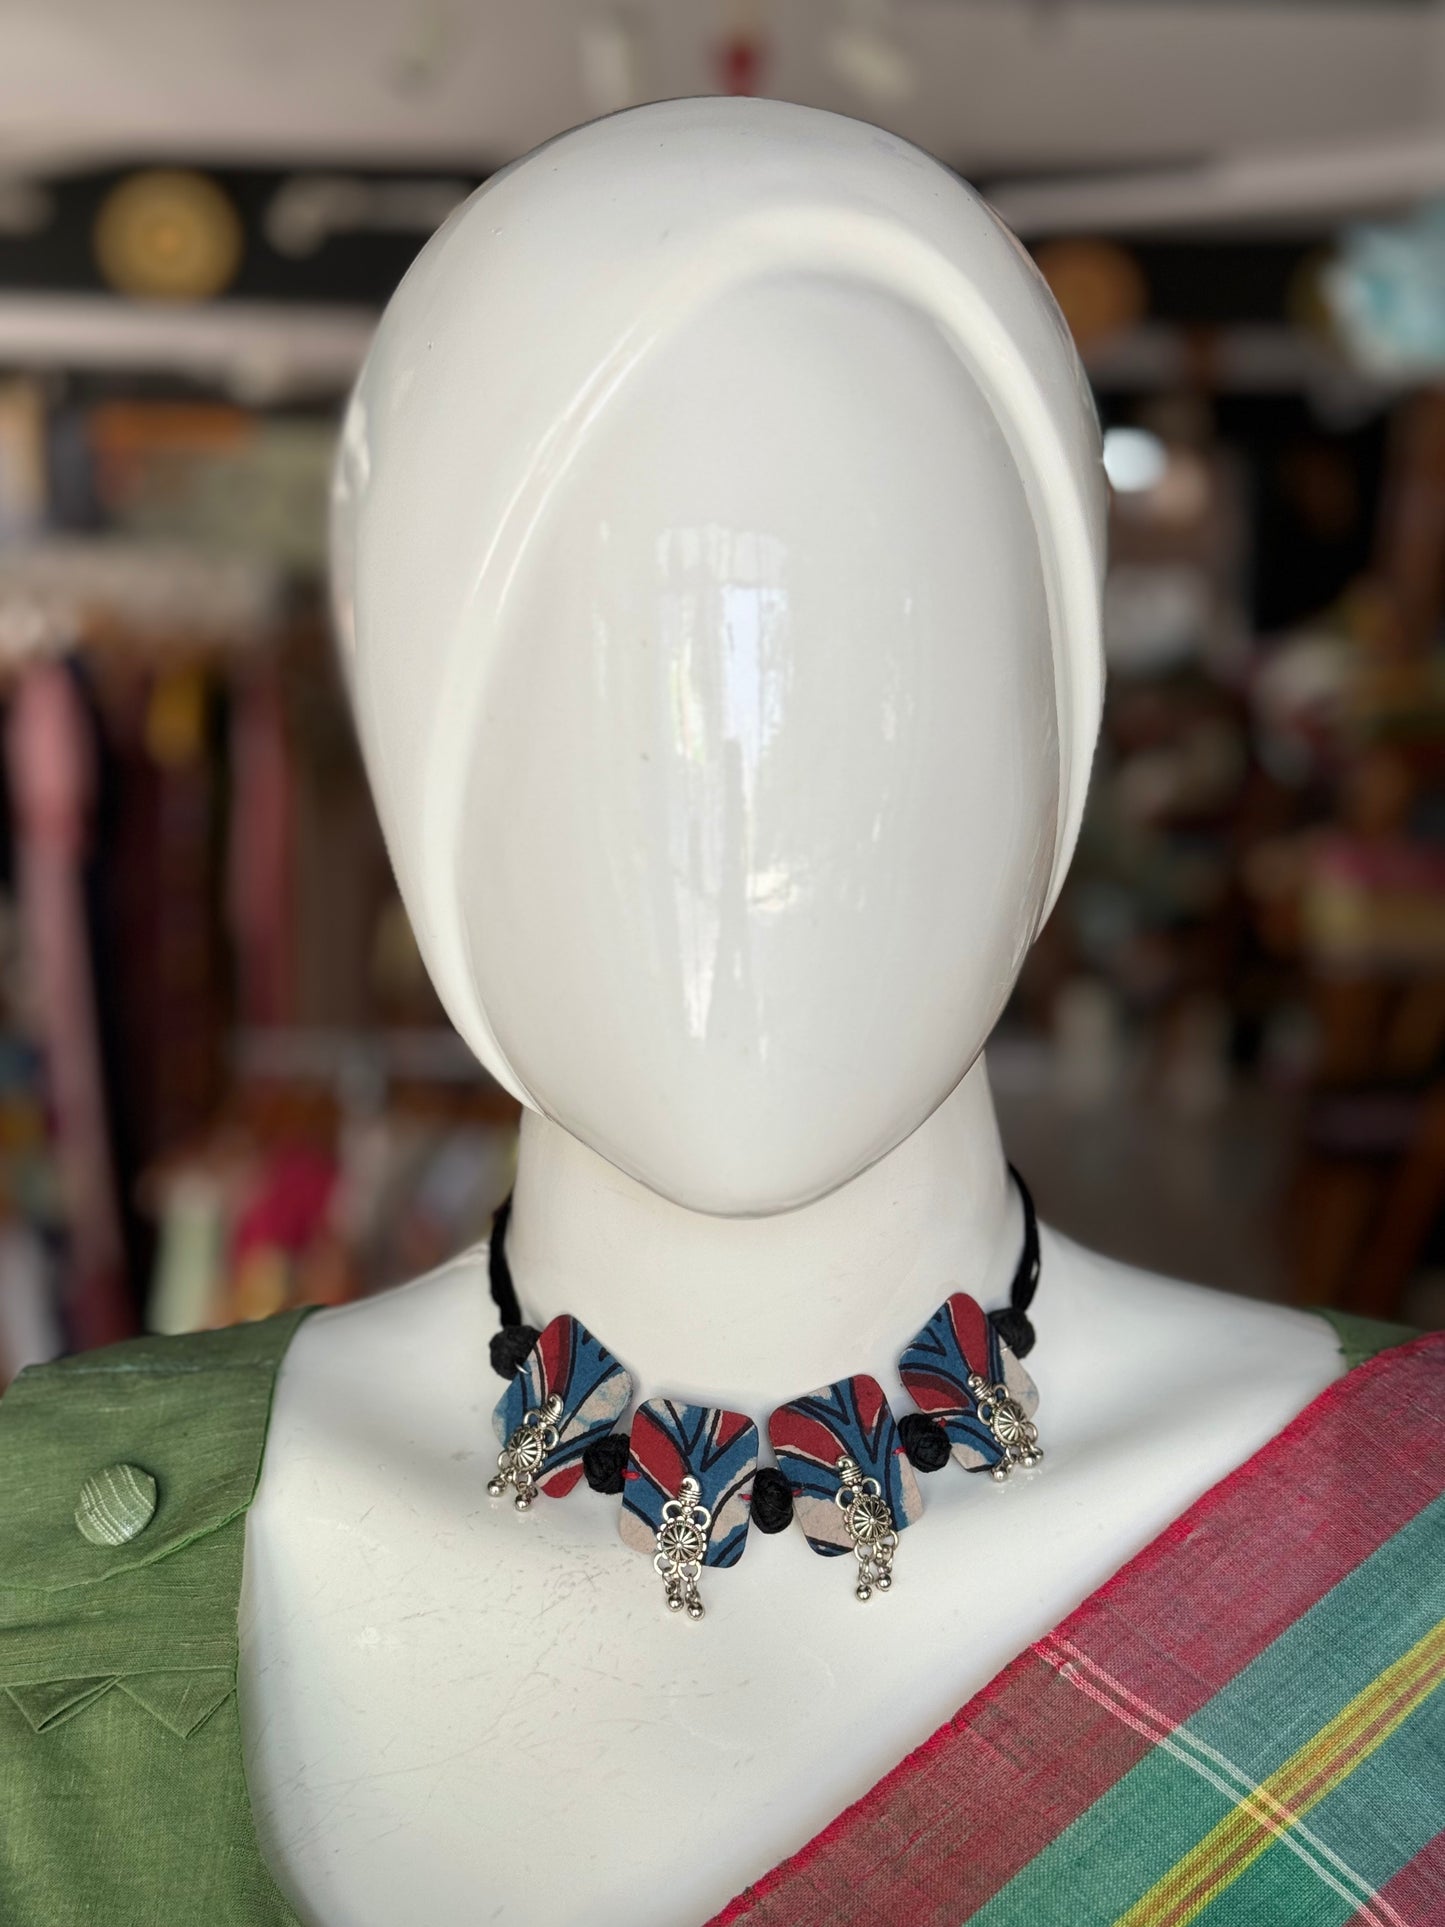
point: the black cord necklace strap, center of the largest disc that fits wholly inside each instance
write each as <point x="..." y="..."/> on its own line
<point x="499" y="1272"/>
<point x="510" y="1345"/>
<point x="923" y="1438"/>
<point x="1011" y="1321"/>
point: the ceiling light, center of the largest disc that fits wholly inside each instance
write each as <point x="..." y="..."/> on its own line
<point x="1134" y="460"/>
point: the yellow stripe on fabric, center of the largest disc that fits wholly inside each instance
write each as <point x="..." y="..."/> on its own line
<point x="1319" y="1766"/>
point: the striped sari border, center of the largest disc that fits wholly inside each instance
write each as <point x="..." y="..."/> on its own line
<point x="958" y="1819"/>
<point x="1218" y="1771"/>
<point x="1275" y="1809"/>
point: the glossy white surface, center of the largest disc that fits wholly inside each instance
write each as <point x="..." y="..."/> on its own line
<point x="718" y="536"/>
<point x="456" y="1715"/>
<point x="718" y="539"/>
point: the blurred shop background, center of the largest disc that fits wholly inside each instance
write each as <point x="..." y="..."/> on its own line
<point x="225" y="1085"/>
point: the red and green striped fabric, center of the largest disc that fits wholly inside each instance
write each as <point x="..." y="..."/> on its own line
<point x="1243" y="1728"/>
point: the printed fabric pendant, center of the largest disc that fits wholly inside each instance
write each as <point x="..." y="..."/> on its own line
<point x="961" y="1373"/>
<point x="567" y="1392"/>
<point x="688" y="1487"/>
<point x="853" y="1488"/>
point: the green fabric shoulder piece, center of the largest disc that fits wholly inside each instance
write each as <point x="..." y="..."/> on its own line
<point x="189" y="1414"/>
<point x="122" y="1786"/>
<point x="236" y="1348"/>
<point x="1363" y="1338"/>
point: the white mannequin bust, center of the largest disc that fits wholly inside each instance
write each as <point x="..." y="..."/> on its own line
<point x="718" y="539"/>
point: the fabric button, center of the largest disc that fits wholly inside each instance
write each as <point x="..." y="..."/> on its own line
<point x="115" y="1505"/>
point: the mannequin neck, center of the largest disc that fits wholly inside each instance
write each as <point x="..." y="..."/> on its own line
<point x="747" y="1312"/>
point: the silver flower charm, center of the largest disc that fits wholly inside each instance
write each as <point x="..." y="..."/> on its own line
<point x="525" y="1453"/>
<point x="1015" y="1432"/>
<point x="681" y="1548"/>
<point x="869" y="1520"/>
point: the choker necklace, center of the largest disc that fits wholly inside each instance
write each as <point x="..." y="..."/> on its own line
<point x="689" y="1476"/>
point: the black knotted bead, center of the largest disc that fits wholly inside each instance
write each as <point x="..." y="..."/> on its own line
<point x="509" y="1349"/>
<point x="925" y="1442"/>
<point x="605" y="1462"/>
<point x="1015" y="1328"/>
<point x="772" y="1509"/>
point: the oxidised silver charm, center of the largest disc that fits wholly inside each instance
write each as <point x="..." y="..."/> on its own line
<point x="525" y="1453"/>
<point x="1015" y="1432"/>
<point x="681" y="1546"/>
<point x="869" y="1520"/>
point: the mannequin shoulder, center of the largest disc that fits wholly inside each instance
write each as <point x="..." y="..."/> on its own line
<point x="397" y="1378"/>
<point x="1173" y="1331"/>
<point x="439" y="1327"/>
<point x="397" y="1331"/>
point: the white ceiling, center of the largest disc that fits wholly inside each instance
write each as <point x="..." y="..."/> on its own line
<point x="1001" y="85"/>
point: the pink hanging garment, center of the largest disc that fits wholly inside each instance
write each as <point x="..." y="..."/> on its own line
<point x="51" y="764"/>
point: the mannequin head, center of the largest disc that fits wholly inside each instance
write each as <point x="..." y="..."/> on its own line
<point x="717" y="540"/>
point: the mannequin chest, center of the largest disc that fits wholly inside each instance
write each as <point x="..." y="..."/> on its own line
<point x="456" y="1714"/>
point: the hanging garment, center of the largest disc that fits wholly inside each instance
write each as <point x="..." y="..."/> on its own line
<point x="1243" y="1728"/>
<point x="189" y="1275"/>
<point x="189" y="965"/>
<point x="261" y="877"/>
<point x="50" y="760"/>
<point x="29" y="1330"/>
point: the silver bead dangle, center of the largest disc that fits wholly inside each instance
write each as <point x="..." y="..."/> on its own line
<point x="1014" y="1431"/>
<point x="681" y="1545"/>
<point x="525" y="1454"/>
<point x="869" y="1520"/>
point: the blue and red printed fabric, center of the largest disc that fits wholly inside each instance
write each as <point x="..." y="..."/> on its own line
<point x="848" y="1420"/>
<point x="719" y="1449"/>
<point x="595" y="1391"/>
<point x="957" y="1341"/>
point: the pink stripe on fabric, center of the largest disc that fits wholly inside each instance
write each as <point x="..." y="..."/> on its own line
<point x="1416" y="1894"/>
<point x="1328" y="1510"/>
<point x="946" y="1829"/>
